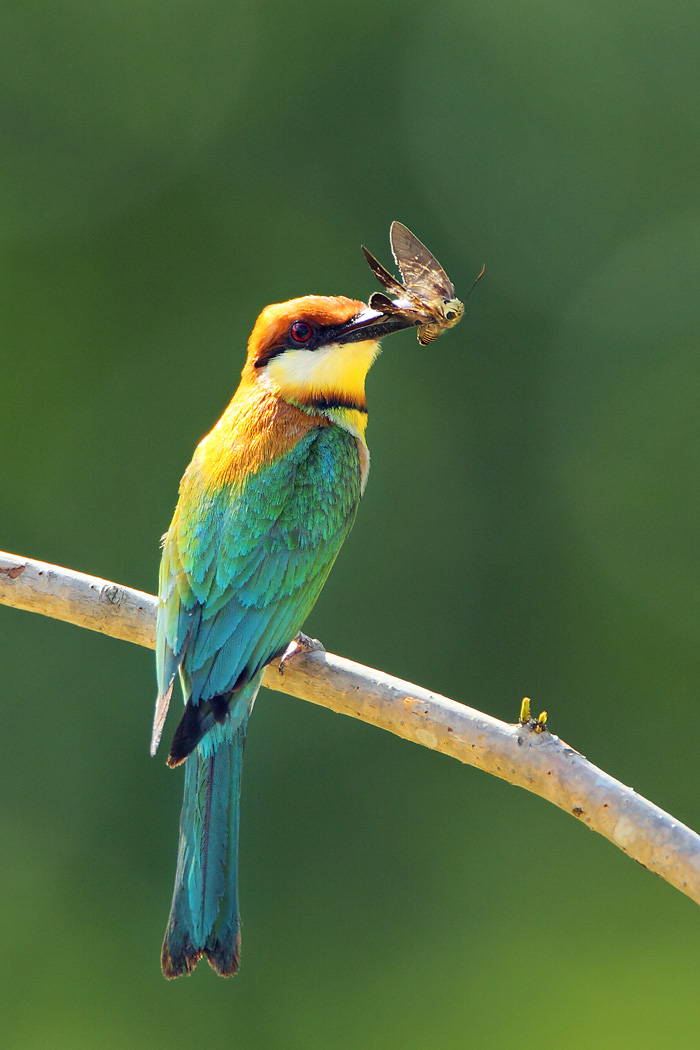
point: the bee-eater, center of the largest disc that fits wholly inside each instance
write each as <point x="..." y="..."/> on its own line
<point x="264" y="507"/>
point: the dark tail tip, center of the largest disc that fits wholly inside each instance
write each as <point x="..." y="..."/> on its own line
<point x="182" y="962"/>
<point x="225" y="958"/>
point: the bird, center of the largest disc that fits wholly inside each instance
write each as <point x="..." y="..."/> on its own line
<point x="263" y="510"/>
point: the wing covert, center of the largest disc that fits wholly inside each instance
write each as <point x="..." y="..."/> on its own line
<point x="242" y="567"/>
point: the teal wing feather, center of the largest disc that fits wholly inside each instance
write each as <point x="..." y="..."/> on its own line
<point x="243" y="567"/>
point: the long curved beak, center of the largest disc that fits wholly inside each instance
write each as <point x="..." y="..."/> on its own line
<point x="371" y="324"/>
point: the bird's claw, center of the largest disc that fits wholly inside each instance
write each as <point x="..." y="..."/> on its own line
<point x="301" y="644"/>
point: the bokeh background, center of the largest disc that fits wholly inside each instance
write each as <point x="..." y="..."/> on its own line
<point x="530" y="526"/>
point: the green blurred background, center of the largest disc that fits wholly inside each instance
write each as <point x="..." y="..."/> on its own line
<point x="530" y="526"/>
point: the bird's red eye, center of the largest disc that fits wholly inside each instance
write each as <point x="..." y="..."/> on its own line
<point x="301" y="332"/>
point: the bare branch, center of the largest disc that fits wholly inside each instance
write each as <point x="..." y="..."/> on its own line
<point x="522" y="755"/>
<point x="86" y="601"/>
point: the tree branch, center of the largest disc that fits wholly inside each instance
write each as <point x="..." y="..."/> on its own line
<point x="521" y="754"/>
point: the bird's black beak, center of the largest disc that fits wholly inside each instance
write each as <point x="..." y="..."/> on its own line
<point x="371" y="324"/>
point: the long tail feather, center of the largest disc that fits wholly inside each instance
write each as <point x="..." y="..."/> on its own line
<point x="204" y="918"/>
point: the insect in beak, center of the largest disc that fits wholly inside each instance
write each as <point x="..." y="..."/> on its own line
<point x="425" y="297"/>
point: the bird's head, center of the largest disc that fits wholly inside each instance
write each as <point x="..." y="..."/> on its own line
<point x="315" y="352"/>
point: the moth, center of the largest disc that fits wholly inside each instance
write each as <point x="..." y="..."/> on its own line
<point x="426" y="297"/>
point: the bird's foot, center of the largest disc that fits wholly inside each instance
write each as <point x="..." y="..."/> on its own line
<point x="301" y="644"/>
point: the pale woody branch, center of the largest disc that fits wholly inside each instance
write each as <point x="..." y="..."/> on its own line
<point x="537" y="761"/>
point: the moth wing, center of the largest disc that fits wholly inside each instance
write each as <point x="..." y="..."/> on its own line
<point x="408" y="306"/>
<point x="382" y="274"/>
<point x="419" y="268"/>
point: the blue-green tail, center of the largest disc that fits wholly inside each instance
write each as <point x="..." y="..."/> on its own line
<point x="204" y="917"/>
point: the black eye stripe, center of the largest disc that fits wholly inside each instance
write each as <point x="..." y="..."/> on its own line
<point x="322" y="335"/>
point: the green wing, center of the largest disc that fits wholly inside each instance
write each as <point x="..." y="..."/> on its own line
<point x="243" y="566"/>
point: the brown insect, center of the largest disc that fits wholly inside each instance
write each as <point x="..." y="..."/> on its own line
<point x="426" y="297"/>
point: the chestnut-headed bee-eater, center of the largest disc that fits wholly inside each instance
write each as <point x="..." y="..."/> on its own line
<point x="264" y="507"/>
